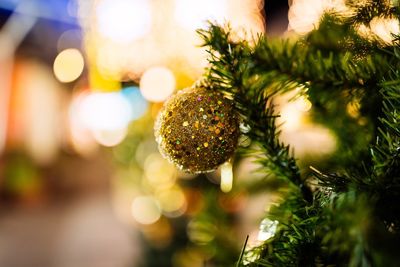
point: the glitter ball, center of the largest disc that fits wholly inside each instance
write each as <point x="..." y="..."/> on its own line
<point x="194" y="114"/>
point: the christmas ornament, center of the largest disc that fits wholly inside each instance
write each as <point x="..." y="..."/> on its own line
<point x="197" y="129"/>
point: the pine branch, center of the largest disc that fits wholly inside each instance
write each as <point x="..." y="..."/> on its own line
<point x="365" y="12"/>
<point x="322" y="226"/>
<point x="238" y="79"/>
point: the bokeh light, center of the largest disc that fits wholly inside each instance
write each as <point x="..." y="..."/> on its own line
<point x="105" y="111"/>
<point x="385" y="28"/>
<point x="81" y="138"/>
<point x="303" y="104"/>
<point x="41" y="130"/>
<point x="290" y="117"/>
<point x="138" y="104"/>
<point x="159" y="173"/>
<point x="110" y="138"/>
<point x="123" y="20"/>
<point x="68" y="65"/>
<point x="172" y="201"/>
<point x="146" y="210"/>
<point x="193" y="14"/>
<point x="201" y="231"/>
<point x="226" y="177"/>
<point x="157" y="84"/>
<point x="304" y="15"/>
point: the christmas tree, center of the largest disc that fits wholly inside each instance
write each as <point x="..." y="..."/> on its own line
<point x="344" y="211"/>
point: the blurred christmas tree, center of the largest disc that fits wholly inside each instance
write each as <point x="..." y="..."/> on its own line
<point x="345" y="210"/>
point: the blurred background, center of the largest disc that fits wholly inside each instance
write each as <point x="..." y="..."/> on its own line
<point x="81" y="180"/>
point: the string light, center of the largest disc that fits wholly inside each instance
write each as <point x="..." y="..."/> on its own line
<point x="226" y="177"/>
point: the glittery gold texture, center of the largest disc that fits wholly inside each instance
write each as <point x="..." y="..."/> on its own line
<point x="197" y="130"/>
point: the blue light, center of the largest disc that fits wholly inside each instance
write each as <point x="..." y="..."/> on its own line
<point x="135" y="98"/>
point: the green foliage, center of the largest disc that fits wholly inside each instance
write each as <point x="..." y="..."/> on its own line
<point x="349" y="216"/>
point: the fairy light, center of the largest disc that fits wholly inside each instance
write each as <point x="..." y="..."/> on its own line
<point x="226" y="177"/>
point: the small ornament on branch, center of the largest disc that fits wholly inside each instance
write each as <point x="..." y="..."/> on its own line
<point x="197" y="129"/>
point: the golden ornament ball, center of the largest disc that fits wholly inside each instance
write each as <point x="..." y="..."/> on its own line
<point x="197" y="129"/>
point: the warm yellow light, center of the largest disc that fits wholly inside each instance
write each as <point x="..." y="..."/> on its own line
<point x="303" y="104"/>
<point x="159" y="173"/>
<point x="226" y="177"/>
<point x="193" y="14"/>
<point x="304" y="15"/>
<point x="110" y="138"/>
<point x="157" y="84"/>
<point x="80" y="137"/>
<point x="353" y="109"/>
<point x="68" y="65"/>
<point x="145" y="210"/>
<point x="123" y="20"/>
<point x="41" y="134"/>
<point x="384" y="28"/>
<point x="172" y="201"/>
<point x="290" y="117"/>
